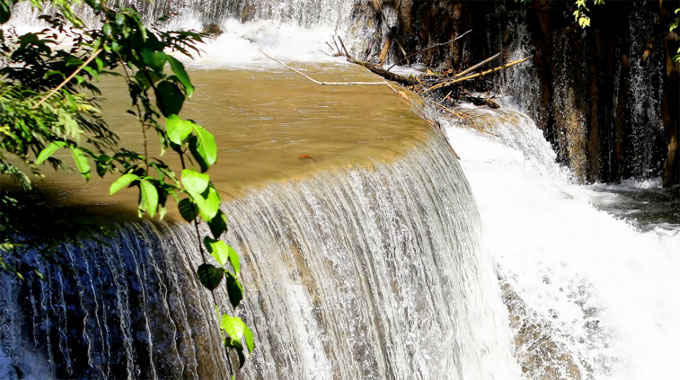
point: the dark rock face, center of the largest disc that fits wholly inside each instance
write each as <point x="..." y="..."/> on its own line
<point x="606" y="97"/>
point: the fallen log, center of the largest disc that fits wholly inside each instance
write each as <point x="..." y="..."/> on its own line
<point x="401" y="79"/>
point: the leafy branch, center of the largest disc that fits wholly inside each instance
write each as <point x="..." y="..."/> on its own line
<point x="45" y="108"/>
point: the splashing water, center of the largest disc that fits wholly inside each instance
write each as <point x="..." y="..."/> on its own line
<point x="589" y="295"/>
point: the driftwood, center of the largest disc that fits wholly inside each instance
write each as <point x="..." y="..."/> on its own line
<point x="473" y="76"/>
<point x="479" y="101"/>
<point x="413" y="81"/>
<point x="475" y="67"/>
<point x="385" y="49"/>
<point x="316" y="81"/>
<point x="401" y="79"/>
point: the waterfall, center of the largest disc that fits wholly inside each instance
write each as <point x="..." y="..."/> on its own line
<point x="587" y="291"/>
<point x="368" y="273"/>
<point x="646" y="91"/>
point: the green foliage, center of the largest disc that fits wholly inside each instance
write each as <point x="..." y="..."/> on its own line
<point x="580" y="12"/>
<point x="671" y="29"/>
<point x="237" y="331"/>
<point x="48" y="103"/>
<point x="210" y="275"/>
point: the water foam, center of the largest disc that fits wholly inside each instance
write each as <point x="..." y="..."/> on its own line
<point x="600" y="289"/>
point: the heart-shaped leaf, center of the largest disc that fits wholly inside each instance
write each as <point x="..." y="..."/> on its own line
<point x="187" y="209"/>
<point x="210" y="276"/>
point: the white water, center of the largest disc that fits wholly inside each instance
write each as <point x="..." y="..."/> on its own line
<point x="605" y="290"/>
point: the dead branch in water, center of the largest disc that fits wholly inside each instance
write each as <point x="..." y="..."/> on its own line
<point x="404" y="80"/>
<point x="473" y="76"/>
<point x="475" y="67"/>
<point x="429" y="48"/>
<point x="316" y="81"/>
<point x="401" y="79"/>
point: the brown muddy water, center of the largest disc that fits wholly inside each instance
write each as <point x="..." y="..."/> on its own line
<point x="270" y="126"/>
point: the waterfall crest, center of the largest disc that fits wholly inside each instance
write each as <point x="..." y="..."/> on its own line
<point x="356" y="273"/>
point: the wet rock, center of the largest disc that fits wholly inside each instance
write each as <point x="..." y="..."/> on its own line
<point x="212" y="29"/>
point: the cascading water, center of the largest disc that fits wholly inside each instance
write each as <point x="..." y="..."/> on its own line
<point x="646" y="92"/>
<point x="587" y="292"/>
<point x="360" y="273"/>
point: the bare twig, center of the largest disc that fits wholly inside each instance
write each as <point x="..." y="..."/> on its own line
<point x="480" y="64"/>
<point x="316" y="81"/>
<point x="452" y="82"/>
<point x="447" y="96"/>
<point x="62" y="84"/>
<point x="430" y="47"/>
<point x="343" y="46"/>
<point x="336" y="44"/>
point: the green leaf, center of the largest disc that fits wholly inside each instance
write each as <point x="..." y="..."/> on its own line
<point x="210" y="276"/>
<point x="107" y="30"/>
<point x="169" y="98"/>
<point x="81" y="162"/>
<point x="206" y="147"/>
<point x="234" y="289"/>
<point x="237" y="330"/>
<point x="49" y="151"/>
<point x="187" y="209"/>
<point x="208" y="204"/>
<point x="155" y="59"/>
<point x="193" y="147"/>
<point x="234" y="260"/>
<point x="217" y="249"/>
<point x="103" y="162"/>
<point x="194" y="181"/>
<point x="238" y="347"/>
<point x="5" y="11"/>
<point x="149" y="201"/>
<point x="123" y="181"/>
<point x="178" y="129"/>
<point x="218" y="224"/>
<point x="178" y="69"/>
